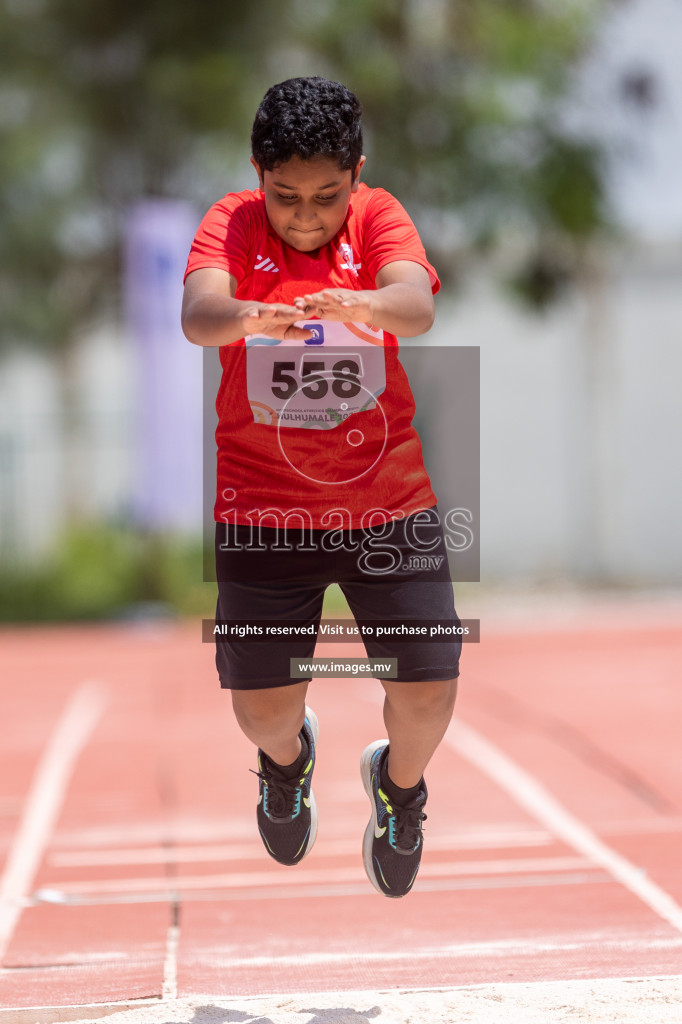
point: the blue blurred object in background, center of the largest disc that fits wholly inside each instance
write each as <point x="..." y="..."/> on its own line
<point x="167" y="487"/>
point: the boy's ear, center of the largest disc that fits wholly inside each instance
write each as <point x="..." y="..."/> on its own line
<point x="258" y="172"/>
<point x="356" y="174"/>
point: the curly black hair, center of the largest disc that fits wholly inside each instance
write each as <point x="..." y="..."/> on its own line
<point x="307" y="117"/>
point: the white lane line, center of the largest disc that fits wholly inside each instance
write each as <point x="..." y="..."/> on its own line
<point x="44" y="801"/>
<point x="521" y="881"/>
<point x="313" y="876"/>
<point x="125" y="834"/>
<point x="170" y="965"/>
<point x="209" y="853"/>
<point x="211" y="849"/>
<point x="529" y="793"/>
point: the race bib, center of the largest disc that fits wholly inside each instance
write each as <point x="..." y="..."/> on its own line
<point x="319" y="383"/>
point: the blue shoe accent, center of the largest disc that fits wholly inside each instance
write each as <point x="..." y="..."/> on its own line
<point x="286" y="812"/>
<point x="393" y="841"/>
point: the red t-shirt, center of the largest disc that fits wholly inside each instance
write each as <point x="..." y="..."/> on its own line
<point x="317" y="433"/>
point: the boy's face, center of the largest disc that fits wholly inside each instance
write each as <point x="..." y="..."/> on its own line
<point x="307" y="200"/>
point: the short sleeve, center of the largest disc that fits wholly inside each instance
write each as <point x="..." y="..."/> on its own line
<point x="388" y="235"/>
<point x="225" y="236"/>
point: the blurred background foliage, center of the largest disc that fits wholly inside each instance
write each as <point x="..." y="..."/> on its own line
<point x="102" y="571"/>
<point x="103" y="103"/>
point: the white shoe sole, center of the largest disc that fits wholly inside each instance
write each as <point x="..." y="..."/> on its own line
<point x="368" y="840"/>
<point x="315" y="729"/>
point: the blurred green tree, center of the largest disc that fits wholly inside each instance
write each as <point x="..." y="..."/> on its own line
<point x="466" y="107"/>
<point x="103" y="103"/>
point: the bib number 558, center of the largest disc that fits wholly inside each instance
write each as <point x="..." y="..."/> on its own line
<point x="344" y="379"/>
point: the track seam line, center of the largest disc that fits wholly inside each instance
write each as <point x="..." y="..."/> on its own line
<point x="527" y="791"/>
<point x="44" y="801"/>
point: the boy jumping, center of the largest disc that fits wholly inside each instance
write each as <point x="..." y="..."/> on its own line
<point x="304" y="284"/>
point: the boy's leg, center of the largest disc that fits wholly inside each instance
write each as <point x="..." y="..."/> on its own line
<point x="416" y="717"/>
<point x="285" y="732"/>
<point x="273" y="719"/>
<point x="261" y="584"/>
<point x="419" y="702"/>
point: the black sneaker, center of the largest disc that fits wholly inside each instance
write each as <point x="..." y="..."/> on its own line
<point x="287" y="815"/>
<point x="393" y="842"/>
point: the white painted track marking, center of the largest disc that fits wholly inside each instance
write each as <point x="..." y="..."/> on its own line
<point x="170" y="966"/>
<point x="125" y="834"/>
<point x="290" y="892"/>
<point x="91" y="853"/>
<point x="317" y="876"/>
<point x="530" y="794"/>
<point x="44" y="801"/>
<point x="208" y="853"/>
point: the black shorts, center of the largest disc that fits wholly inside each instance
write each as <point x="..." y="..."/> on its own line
<point x="396" y="572"/>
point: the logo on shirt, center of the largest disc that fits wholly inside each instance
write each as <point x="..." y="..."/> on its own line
<point x="346" y="253"/>
<point x="318" y="333"/>
<point x="265" y="263"/>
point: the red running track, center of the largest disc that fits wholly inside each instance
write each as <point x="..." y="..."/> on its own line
<point x="132" y="868"/>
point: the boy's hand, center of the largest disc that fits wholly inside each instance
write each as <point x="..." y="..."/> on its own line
<point x="342" y="304"/>
<point x="274" y="320"/>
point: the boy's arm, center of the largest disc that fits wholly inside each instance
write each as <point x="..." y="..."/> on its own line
<point x="211" y="315"/>
<point x="401" y="304"/>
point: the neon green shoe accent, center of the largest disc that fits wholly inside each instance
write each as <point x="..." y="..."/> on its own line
<point x="386" y="801"/>
<point x="302" y="844"/>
